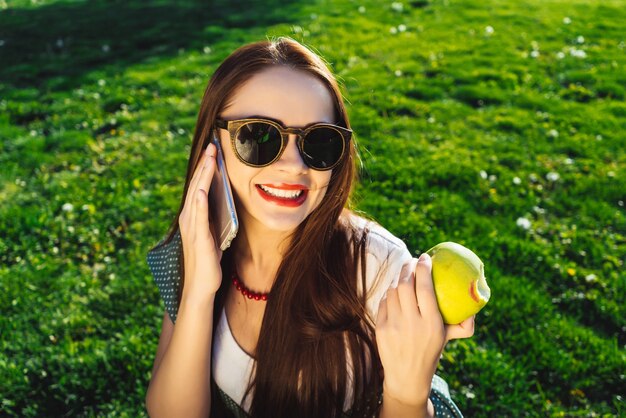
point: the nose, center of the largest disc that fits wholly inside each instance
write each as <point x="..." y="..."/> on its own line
<point x="291" y="160"/>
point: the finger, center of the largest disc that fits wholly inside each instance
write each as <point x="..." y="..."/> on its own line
<point x="204" y="184"/>
<point x="406" y="288"/>
<point x="196" y="185"/>
<point x="197" y="170"/>
<point x="463" y="330"/>
<point x="192" y="189"/>
<point x="210" y="165"/>
<point x="424" y="288"/>
<point x="393" y="304"/>
<point x="381" y="317"/>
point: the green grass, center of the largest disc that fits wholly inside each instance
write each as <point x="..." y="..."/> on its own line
<point x="470" y="117"/>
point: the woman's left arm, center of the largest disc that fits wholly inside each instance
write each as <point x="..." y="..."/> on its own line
<point x="411" y="336"/>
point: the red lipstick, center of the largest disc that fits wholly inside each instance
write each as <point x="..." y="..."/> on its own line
<point x="283" y="201"/>
<point x="284" y="186"/>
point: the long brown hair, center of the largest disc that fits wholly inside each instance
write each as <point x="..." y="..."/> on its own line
<point x="314" y="318"/>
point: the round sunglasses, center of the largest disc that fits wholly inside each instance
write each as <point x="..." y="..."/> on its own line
<point x="258" y="142"/>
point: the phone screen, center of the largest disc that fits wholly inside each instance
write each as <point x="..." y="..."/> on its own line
<point x="221" y="204"/>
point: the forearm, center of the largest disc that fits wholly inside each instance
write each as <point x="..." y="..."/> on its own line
<point x="392" y="408"/>
<point x="180" y="385"/>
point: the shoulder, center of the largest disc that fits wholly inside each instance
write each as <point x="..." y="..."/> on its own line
<point x="385" y="255"/>
<point x="380" y="242"/>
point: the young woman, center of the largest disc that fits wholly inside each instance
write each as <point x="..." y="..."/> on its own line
<point x="313" y="311"/>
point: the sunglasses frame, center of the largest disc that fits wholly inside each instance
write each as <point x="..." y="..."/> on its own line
<point x="233" y="127"/>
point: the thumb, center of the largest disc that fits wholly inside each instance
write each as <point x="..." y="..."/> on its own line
<point x="463" y="330"/>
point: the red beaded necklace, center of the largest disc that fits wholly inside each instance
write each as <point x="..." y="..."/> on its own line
<point x="245" y="291"/>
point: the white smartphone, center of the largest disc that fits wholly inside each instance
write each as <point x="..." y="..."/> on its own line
<point x="221" y="203"/>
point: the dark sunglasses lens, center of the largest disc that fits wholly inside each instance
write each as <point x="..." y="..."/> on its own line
<point x="323" y="147"/>
<point x="258" y="143"/>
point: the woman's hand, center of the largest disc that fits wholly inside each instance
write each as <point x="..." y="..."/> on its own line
<point x="411" y="335"/>
<point x="203" y="273"/>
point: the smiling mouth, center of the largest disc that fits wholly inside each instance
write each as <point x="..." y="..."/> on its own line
<point x="280" y="193"/>
<point x="287" y="198"/>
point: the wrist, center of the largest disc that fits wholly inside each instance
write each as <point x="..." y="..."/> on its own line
<point x="197" y="297"/>
<point x="415" y="397"/>
<point x="393" y="407"/>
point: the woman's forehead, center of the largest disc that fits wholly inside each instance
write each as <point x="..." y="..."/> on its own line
<point x="293" y="96"/>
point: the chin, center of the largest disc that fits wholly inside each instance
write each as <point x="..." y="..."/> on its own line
<point x="282" y="223"/>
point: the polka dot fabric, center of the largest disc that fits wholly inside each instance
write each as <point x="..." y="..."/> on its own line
<point x="164" y="264"/>
<point x="443" y="403"/>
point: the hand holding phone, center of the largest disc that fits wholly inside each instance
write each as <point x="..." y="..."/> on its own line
<point x="201" y="254"/>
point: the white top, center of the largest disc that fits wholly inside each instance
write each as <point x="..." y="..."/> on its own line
<point x="385" y="256"/>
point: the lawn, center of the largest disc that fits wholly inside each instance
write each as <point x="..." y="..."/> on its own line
<point x="496" y="124"/>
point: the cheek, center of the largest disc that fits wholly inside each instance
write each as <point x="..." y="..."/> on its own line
<point x="322" y="183"/>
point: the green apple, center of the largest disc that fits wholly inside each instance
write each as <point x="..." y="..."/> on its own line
<point x="459" y="281"/>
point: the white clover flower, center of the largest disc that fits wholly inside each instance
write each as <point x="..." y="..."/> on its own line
<point x="33" y="132"/>
<point x="396" y="6"/>
<point x="361" y="9"/>
<point x="567" y="20"/>
<point x="106" y="48"/>
<point x="181" y="131"/>
<point x="568" y="161"/>
<point x="523" y="223"/>
<point x="517" y="181"/>
<point x="70" y="229"/>
<point x="553" y="176"/>
<point x="493" y="177"/>
<point x="393" y="30"/>
<point x="470" y="395"/>
<point x="534" y="54"/>
<point x="207" y="49"/>
<point x="620" y="203"/>
<point x="539" y="210"/>
<point x="580" y="39"/>
<point x="60" y="43"/>
<point x="553" y="133"/>
<point x="560" y="55"/>
<point x="483" y="173"/>
<point x="68" y="207"/>
<point x="590" y="278"/>
<point x="578" y="53"/>
<point x="55" y="250"/>
<point x="598" y="137"/>
<point x="398" y="73"/>
<point x="101" y="82"/>
<point x="432" y="120"/>
<point x="489" y="30"/>
<point x="401" y="28"/>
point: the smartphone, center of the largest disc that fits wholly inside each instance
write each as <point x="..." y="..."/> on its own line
<point x="221" y="204"/>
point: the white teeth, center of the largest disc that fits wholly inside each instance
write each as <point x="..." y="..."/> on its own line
<point x="287" y="194"/>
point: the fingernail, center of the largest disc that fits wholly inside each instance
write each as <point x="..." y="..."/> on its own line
<point x="422" y="257"/>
